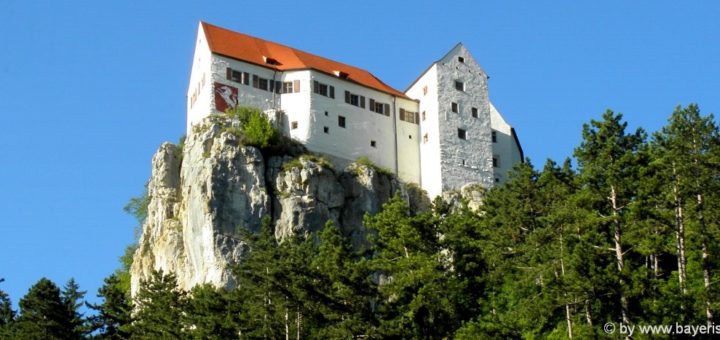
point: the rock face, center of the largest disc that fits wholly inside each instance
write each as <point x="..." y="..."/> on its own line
<point x="203" y="196"/>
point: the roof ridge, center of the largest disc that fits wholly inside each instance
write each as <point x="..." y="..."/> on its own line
<point x="323" y="64"/>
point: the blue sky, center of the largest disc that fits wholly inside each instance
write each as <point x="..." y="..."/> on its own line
<point x="89" y="90"/>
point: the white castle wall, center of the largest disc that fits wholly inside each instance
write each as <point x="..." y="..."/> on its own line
<point x="199" y="93"/>
<point x="430" y="171"/>
<point x="505" y="148"/>
<point x="430" y="154"/>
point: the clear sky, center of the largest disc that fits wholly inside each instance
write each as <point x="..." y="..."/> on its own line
<point x="90" y="89"/>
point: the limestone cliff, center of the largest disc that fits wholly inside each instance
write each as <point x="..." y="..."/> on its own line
<point x="203" y="194"/>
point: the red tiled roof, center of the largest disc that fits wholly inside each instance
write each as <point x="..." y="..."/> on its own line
<point x="256" y="51"/>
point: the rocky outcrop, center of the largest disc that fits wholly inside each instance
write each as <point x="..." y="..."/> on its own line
<point x="205" y="195"/>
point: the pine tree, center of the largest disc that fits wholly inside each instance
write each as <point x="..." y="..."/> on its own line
<point x="262" y="312"/>
<point x="343" y="281"/>
<point x="73" y="298"/>
<point x="7" y="314"/>
<point x="689" y="154"/>
<point x="159" y="308"/>
<point x="43" y="314"/>
<point x="212" y="314"/>
<point x="411" y="274"/>
<point x="113" y="317"/>
<point x="609" y="165"/>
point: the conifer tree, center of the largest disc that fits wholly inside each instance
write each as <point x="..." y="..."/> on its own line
<point x="413" y="280"/>
<point x="609" y="165"/>
<point x="7" y="314"/>
<point x="73" y="298"/>
<point x="689" y="154"/>
<point x="43" y="314"/>
<point x="212" y="314"/>
<point x="113" y="317"/>
<point x="159" y="308"/>
<point x="345" y="285"/>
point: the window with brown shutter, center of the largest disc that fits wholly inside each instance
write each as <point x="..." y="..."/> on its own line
<point x="387" y="110"/>
<point x="362" y="102"/>
<point x="372" y="105"/>
<point x="296" y="86"/>
<point x="332" y="92"/>
<point x="402" y="114"/>
<point x="229" y="73"/>
<point x="417" y="118"/>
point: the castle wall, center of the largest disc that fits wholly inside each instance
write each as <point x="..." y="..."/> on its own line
<point x="408" y="141"/>
<point x="362" y="126"/>
<point x="200" y="87"/>
<point x="505" y="148"/>
<point x="425" y="90"/>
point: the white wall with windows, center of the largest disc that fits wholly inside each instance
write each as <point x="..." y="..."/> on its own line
<point x="425" y="90"/>
<point x="442" y="138"/>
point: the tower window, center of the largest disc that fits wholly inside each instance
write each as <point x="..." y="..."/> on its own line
<point x="462" y="134"/>
<point x="341" y="121"/>
<point x="425" y="138"/>
<point x="496" y="162"/>
<point x="326" y="129"/>
<point x="460" y="86"/>
<point x="373" y="143"/>
<point x="425" y="90"/>
<point x="454" y="107"/>
<point x="494" y="137"/>
<point x="294" y="125"/>
<point x="423" y="116"/>
<point x="474" y="112"/>
<point x="461" y="59"/>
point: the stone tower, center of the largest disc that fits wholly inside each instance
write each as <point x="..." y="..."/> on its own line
<point x="455" y="125"/>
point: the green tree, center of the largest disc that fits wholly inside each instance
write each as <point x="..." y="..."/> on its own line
<point x="412" y="275"/>
<point x="43" y="314"/>
<point x="73" y="299"/>
<point x="609" y="162"/>
<point x="212" y="313"/>
<point x="7" y="314"/>
<point x="342" y="283"/>
<point x="159" y="308"/>
<point x="689" y="156"/>
<point x="113" y="316"/>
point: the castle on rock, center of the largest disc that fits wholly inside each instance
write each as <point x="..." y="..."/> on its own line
<point x="442" y="132"/>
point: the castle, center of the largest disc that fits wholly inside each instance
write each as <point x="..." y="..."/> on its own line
<point x="441" y="133"/>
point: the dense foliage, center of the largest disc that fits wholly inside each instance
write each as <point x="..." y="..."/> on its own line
<point x="630" y="236"/>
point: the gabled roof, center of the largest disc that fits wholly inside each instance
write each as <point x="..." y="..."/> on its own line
<point x="283" y="58"/>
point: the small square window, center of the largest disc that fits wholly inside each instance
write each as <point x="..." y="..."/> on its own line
<point x="409" y="136"/>
<point x="494" y="137"/>
<point x="454" y="107"/>
<point x="474" y="112"/>
<point x="462" y="134"/>
<point x="497" y="180"/>
<point x="341" y="121"/>
<point x="373" y="143"/>
<point x="294" y="125"/>
<point x="326" y="129"/>
<point x="461" y="59"/>
<point x="326" y="113"/>
<point x="460" y="86"/>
